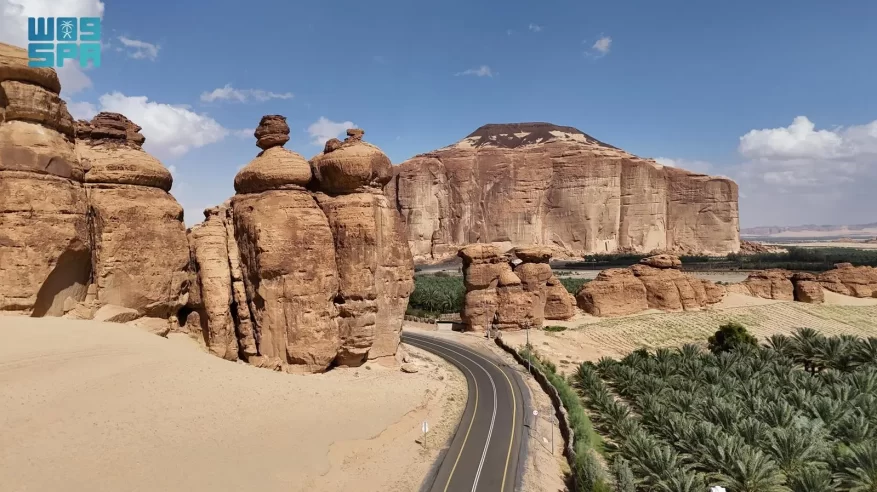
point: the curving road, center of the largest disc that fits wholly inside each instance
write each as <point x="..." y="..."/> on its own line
<point x="485" y="451"/>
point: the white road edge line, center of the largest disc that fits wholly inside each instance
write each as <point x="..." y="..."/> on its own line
<point x="492" y="417"/>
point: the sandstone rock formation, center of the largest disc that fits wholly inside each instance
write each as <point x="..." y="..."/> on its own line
<point x="536" y="183"/>
<point x="139" y="248"/>
<point x="655" y="283"/>
<point x="519" y="297"/>
<point x="782" y="285"/>
<point x="302" y="269"/>
<point x="856" y="281"/>
<point x="44" y="242"/>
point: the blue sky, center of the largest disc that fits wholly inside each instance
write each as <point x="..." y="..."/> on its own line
<point x="712" y="86"/>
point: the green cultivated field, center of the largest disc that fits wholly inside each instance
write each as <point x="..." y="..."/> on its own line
<point x="798" y="413"/>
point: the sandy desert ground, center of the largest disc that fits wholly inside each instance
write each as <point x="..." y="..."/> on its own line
<point x="92" y="406"/>
<point x="589" y="338"/>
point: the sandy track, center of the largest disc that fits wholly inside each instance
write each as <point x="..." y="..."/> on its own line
<point x="91" y="406"/>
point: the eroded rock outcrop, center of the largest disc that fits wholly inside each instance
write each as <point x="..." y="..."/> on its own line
<point x="782" y="285"/>
<point x="846" y="279"/>
<point x="45" y="259"/>
<point x="374" y="264"/>
<point x="511" y="297"/>
<point x="537" y="183"/>
<point x="140" y="254"/>
<point x="655" y="283"/>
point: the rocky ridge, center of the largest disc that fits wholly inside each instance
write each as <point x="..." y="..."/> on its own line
<point x="655" y="283"/>
<point x="537" y="183"/>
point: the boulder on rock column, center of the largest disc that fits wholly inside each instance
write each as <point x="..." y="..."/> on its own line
<point x="287" y="260"/>
<point x="482" y="267"/>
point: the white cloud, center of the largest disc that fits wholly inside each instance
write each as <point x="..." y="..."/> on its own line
<point x="229" y="93"/>
<point x="696" y="166"/>
<point x="140" y="49"/>
<point x="509" y="32"/>
<point x="603" y="44"/>
<point x="82" y="110"/>
<point x="170" y="130"/>
<point x="482" y="71"/>
<point x="245" y="133"/>
<point x="600" y="48"/>
<point x="324" y="129"/>
<point x="13" y="29"/>
<point x="535" y="28"/>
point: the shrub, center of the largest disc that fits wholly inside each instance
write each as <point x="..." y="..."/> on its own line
<point x="573" y="284"/>
<point x="434" y="295"/>
<point x="730" y="336"/>
<point x="554" y="328"/>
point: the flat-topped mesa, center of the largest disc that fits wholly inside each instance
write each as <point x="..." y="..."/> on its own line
<point x="350" y="166"/>
<point x="275" y="168"/>
<point x="127" y="191"/>
<point x="537" y="183"/>
<point x="44" y="246"/>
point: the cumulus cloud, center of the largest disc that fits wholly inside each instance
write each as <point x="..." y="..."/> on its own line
<point x="140" y="49"/>
<point x="482" y="71"/>
<point x="535" y="28"/>
<point x="325" y="129"/>
<point x="82" y="110"/>
<point x="13" y="29"/>
<point x="170" y="130"/>
<point x="600" y="48"/>
<point x="229" y="93"/>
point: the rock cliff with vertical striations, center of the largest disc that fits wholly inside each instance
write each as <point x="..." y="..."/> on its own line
<point x="538" y="183"/>
<point x="45" y="259"/>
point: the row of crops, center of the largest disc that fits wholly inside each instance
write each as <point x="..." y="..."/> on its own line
<point x="796" y="414"/>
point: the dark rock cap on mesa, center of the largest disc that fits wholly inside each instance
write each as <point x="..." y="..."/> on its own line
<point x="505" y="135"/>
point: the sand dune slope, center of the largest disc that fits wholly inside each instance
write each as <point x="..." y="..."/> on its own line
<point x="91" y="406"/>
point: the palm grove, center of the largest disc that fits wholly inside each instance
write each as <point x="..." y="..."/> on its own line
<point x="798" y="414"/>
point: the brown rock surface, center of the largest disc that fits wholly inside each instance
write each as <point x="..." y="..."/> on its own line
<point x="351" y="165"/>
<point x="272" y="132"/>
<point x="289" y="269"/>
<point x="44" y="246"/>
<point x="807" y="288"/>
<point x="856" y="281"/>
<point x="209" y="242"/>
<point x="771" y="284"/>
<point x="483" y="266"/>
<point x="110" y="313"/>
<point x="536" y="183"/>
<point x="669" y="289"/>
<point x="614" y="292"/>
<point x="559" y="303"/>
<point x="139" y="247"/>
<point x="662" y="261"/>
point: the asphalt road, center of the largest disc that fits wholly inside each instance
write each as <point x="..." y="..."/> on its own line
<point x="485" y="451"/>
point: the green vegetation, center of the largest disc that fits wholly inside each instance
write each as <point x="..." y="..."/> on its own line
<point x="587" y="473"/>
<point x="730" y="336"/>
<point x="810" y="259"/>
<point x="436" y="294"/>
<point x="798" y="414"/>
<point x="574" y="284"/>
<point x="554" y="328"/>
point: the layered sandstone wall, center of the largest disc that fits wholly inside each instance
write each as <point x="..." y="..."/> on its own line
<point x="536" y="183"/>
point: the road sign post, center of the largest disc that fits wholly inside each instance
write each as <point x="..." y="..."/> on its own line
<point x="425" y="428"/>
<point x="536" y="420"/>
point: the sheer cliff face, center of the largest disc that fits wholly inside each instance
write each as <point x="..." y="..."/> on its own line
<point x="536" y="183"/>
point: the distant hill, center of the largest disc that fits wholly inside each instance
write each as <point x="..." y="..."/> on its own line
<point x="811" y="230"/>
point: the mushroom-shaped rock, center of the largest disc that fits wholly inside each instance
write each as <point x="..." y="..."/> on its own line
<point x="662" y="261"/>
<point x="272" y="132"/>
<point x="352" y="165"/>
<point x="274" y="169"/>
<point x="534" y="254"/>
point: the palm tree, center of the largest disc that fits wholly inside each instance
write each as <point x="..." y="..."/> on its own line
<point x="812" y="479"/>
<point x="795" y="447"/>
<point x="781" y="344"/>
<point x="865" y="351"/>
<point x="805" y="343"/>
<point x="752" y="471"/>
<point x="857" y="468"/>
<point x="681" y="481"/>
<point x="624" y="481"/>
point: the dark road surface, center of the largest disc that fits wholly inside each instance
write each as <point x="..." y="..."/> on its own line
<point x="484" y="453"/>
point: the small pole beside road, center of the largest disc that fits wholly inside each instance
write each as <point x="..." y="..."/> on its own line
<point x="425" y="428"/>
<point x="553" y="421"/>
<point x="536" y="420"/>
